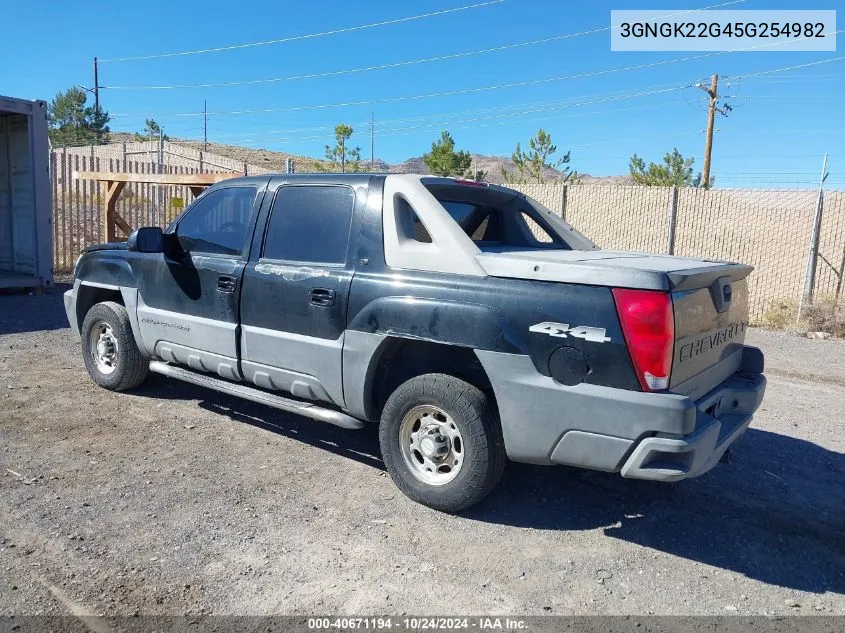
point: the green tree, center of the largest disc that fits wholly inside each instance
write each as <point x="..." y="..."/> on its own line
<point x="341" y="156"/>
<point x="151" y="129"/>
<point x="72" y="122"/>
<point x="532" y="165"/>
<point x="443" y="160"/>
<point x="674" y="171"/>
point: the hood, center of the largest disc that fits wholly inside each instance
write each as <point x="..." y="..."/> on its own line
<point x="108" y="246"/>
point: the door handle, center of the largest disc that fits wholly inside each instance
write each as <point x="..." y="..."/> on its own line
<point x="322" y="297"/>
<point x="225" y="283"/>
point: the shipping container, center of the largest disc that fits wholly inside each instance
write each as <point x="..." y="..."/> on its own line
<point x="26" y="236"/>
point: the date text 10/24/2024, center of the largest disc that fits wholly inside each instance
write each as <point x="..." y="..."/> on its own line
<point x="418" y="623"/>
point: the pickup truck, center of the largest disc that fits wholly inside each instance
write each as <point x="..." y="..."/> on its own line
<point x="467" y="321"/>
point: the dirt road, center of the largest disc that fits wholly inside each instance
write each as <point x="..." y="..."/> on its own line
<point x="173" y="499"/>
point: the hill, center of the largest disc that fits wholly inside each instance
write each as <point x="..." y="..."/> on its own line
<point x="277" y="161"/>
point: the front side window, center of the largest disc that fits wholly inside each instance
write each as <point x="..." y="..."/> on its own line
<point x="218" y="222"/>
<point x="310" y="224"/>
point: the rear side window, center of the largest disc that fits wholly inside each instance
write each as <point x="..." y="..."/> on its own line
<point x="310" y="224"/>
<point x="537" y="231"/>
<point x="218" y="222"/>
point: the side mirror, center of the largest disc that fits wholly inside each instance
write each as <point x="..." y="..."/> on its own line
<point x="147" y="239"/>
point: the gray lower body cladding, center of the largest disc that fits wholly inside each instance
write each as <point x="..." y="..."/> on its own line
<point x="70" y="307"/>
<point x="659" y="436"/>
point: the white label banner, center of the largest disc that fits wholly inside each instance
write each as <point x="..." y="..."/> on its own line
<point x="760" y="31"/>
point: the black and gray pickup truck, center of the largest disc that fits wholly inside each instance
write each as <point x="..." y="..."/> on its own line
<point x="467" y="321"/>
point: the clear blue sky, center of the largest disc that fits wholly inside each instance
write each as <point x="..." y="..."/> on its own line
<point x="780" y="126"/>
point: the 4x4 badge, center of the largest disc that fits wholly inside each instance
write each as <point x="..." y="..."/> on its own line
<point x="562" y="330"/>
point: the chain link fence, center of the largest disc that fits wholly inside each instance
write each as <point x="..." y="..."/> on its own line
<point x="623" y="218"/>
<point x="767" y="228"/>
<point x="830" y="268"/>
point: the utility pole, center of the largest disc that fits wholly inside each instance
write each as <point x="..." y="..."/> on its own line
<point x="96" y="88"/>
<point x="711" y="118"/>
<point x="204" y="125"/>
<point x="713" y="108"/>
<point x="372" y="141"/>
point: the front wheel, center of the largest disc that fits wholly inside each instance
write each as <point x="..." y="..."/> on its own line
<point x="111" y="355"/>
<point x="441" y="442"/>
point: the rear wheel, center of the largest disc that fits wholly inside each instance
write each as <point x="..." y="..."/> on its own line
<point x="441" y="442"/>
<point x="111" y="355"/>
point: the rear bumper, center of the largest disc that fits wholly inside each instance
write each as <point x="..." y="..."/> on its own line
<point x="722" y="417"/>
<point x="658" y="436"/>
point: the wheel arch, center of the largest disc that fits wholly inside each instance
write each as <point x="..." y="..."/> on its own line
<point x="375" y="365"/>
<point x="89" y="294"/>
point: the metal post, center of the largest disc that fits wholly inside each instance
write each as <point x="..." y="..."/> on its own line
<point x="96" y="88"/>
<point x="205" y="125"/>
<point x="563" y="202"/>
<point x="673" y="218"/>
<point x="839" y="276"/>
<point x="813" y="252"/>
<point x="372" y="141"/>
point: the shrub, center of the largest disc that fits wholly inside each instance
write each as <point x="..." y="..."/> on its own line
<point x="825" y="314"/>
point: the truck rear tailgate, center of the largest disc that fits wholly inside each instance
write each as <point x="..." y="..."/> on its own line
<point x="710" y="325"/>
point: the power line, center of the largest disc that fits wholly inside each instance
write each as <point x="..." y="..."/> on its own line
<point x="807" y="65"/>
<point x="517" y="84"/>
<point x="592" y="144"/>
<point x="443" y="117"/>
<point x="294" y="38"/>
<point x="420" y="129"/>
<point x="349" y="71"/>
<point x="474" y="90"/>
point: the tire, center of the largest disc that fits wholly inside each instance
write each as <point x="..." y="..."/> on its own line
<point x="440" y="406"/>
<point x="117" y="364"/>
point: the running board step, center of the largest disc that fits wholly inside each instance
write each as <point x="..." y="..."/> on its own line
<point x="307" y="409"/>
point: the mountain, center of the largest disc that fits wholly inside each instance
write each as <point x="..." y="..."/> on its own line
<point x="277" y="161"/>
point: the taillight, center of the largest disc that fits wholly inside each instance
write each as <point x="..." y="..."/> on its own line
<point x="649" y="328"/>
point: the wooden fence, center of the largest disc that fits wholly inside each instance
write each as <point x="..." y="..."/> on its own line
<point x="78" y="203"/>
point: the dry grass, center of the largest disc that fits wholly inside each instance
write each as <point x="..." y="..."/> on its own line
<point x="825" y="314"/>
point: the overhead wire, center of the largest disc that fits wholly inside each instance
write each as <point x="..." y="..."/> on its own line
<point x="417" y="130"/>
<point x="445" y="117"/>
<point x="294" y="38"/>
<point x="333" y="73"/>
<point x="495" y="86"/>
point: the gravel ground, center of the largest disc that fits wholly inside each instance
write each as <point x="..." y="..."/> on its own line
<point x="173" y="499"/>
